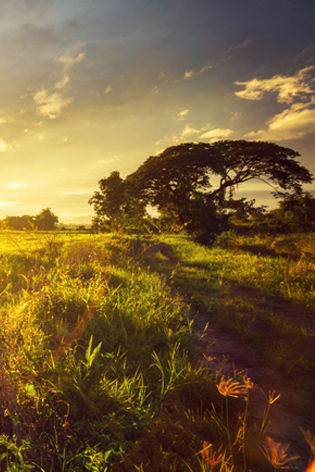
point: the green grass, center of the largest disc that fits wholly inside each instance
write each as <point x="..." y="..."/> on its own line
<point x="97" y="357"/>
<point x="277" y="276"/>
<point x="266" y="302"/>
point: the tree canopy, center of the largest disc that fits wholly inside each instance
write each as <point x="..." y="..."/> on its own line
<point x="195" y="183"/>
<point x="44" y="221"/>
<point x="185" y="171"/>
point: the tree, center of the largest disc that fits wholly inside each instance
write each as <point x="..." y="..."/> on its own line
<point x="25" y="222"/>
<point x="296" y="212"/>
<point x="193" y="184"/>
<point x="46" y="220"/>
<point x="115" y="206"/>
<point x="197" y="181"/>
<point x="109" y="201"/>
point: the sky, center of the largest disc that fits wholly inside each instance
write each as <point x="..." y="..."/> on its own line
<point x="92" y="86"/>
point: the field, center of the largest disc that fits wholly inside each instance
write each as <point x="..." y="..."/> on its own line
<point x="153" y="353"/>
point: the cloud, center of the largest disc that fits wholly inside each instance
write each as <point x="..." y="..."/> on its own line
<point x="3" y="145"/>
<point x="6" y="204"/>
<point x="63" y="82"/>
<point x="108" y="89"/>
<point x="297" y="119"/>
<point x="242" y="45"/>
<point x="3" y="120"/>
<point x="51" y="104"/>
<point x="191" y="73"/>
<point x="292" y="123"/>
<point x="20" y="185"/>
<point x="189" y="131"/>
<point x="181" y="114"/>
<point x="287" y="88"/>
<point x="72" y="56"/>
<point x="216" y="133"/>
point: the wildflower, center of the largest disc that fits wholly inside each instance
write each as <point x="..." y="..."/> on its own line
<point x="272" y="398"/>
<point x="211" y="457"/>
<point x="276" y="453"/>
<point x="233" y="388"/>
<point x="247" y="382"/>
<point x="310" y="440"/>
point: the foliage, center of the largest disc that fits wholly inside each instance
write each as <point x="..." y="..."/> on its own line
<point x="25" y="222"/>
<point x="98" y="363"/>
<point x="183" y="172"/>
<point x="44" y="221"/>
<point x="295" y="212"/>
<point x="114" y="206"/>
<point x="108" y="202"/>
<point x="192" y="185"/>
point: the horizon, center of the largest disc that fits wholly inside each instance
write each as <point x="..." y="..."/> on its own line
<point x="93" y="87"/>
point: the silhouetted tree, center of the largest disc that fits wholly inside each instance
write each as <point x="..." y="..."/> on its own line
<point x="46" y="220"/>
<point x="18" y="223"/>
<point x="109" y="201"/>
<point x="194" y="183"/>
<point x="197" y="181"/>
<point x="115" y="206"/>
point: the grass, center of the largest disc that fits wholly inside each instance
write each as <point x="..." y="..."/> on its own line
<point x="130" y="353"/>
<point x="97" y="359"/>
<point x="250" y="295"/>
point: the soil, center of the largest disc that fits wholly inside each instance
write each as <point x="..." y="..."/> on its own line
<point x="222" y="352"/>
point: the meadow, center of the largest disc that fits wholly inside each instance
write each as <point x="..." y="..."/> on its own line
<point x="102" y="367"/>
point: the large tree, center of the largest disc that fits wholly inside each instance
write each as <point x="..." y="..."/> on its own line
<point x="114" y="205"/>
<point x="196" y="182"/>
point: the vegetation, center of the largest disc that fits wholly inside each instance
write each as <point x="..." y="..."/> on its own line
<point x="99" y="368"/>
<point x="192" y="185"/>
<point x="44" y="221"/>
<point x="295" y="213"/>
<point x="110" y="344"/>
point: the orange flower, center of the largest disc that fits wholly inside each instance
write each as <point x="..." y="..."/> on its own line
<point x="276" y="453"/>
<point x="272" y="397"/>
<point x="211" y="457"/>
<point x="233" y="388"/>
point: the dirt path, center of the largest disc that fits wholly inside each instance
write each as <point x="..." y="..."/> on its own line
<point x="222" y="352"/>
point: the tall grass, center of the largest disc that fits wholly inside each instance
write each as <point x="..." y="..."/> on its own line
<point x="116" y="370"/>
<point x="96" y="360"/>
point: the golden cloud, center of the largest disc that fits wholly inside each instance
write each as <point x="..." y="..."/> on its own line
<point x="181" y="114"/>
<point x="217" y="133"/>
<point x="50" y="105"/>
<point x="292" y="123"/>
<point x="287" y="87"/>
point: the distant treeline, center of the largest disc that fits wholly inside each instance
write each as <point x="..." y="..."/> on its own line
<point x="44" y="221"/>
